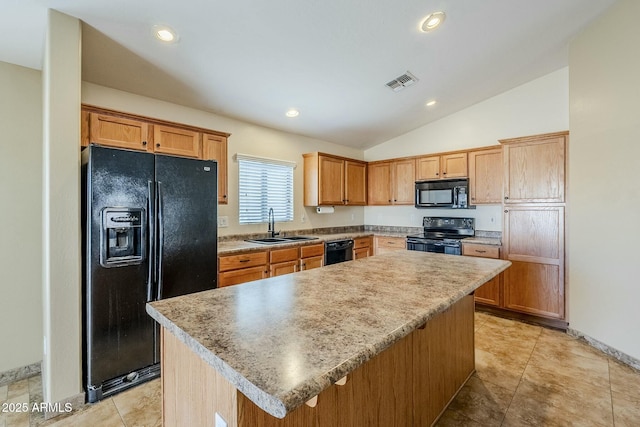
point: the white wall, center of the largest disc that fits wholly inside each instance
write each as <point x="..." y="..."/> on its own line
<point x="604" y="160"/>
<point x="539" y="106"/>
<point x="245" y="139"/>
<point x="62" y="359"/>
<point x="20" y="216"/>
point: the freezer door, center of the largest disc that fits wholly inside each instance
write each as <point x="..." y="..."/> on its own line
<point x="118" y="334"/>
<point x="187" y="225"/>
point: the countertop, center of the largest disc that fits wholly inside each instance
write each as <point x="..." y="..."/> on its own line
<point x="236" y="246"/>
<point x="283" y="340"/>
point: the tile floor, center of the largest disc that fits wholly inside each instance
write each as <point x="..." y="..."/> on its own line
<point x="526" y="376"/>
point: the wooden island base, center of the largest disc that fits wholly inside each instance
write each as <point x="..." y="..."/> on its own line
<point x="409" y="384"/>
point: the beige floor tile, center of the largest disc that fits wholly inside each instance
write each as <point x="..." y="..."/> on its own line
<point x="19" y="388"/>
<point x="547" y="398"/>
<point x="3" y="393"/>
<point x="102" y="414"/>
<point x="558" y="343"/>
<point x="569" y="367"/>
<point x="506" y="338"/>
<point x="141" y="405"/>
<point x="479" y="319"/>
<point x="17" y="419"/>
<point x="500" y="369"/>
<point x="624" y="380"/>
<point x="482" y="402"/>
<point x="3" y="420"/>
<point x="626" y="412"/>
<point x="524" y="330"/>
<point x="452" y="418"/>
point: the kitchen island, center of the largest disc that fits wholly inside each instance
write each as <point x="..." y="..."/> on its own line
<point x="398" y="326"/>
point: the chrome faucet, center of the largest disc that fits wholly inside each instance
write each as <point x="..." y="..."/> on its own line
<point x="272" y="224"/>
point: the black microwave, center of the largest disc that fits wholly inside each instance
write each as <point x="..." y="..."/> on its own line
<point x="442" y="193"/>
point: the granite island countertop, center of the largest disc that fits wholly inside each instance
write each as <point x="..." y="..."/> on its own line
<point x="281" y="341"/>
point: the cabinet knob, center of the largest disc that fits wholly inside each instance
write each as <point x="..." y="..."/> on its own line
<point x="473" y="198"/>
<point x="437" y="174"/>
<point x="444" y="173"/>
<point x="225" y="196"/>
<point x="389" y="200"/>
<point x="395" y="200"/>
<point x="506" y="197"/>
<point x="158" y="145"/>
<point x="144" y="142"/>
<point x="506" y="211"/>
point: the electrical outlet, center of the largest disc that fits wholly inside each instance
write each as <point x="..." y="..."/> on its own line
<point x="219" y="421"/>
<point x="353" y="217"/>
<point x="302" y="218"/>
<point x="223" y="221"/>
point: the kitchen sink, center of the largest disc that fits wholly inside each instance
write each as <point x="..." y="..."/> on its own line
<point x="276" y="240"/>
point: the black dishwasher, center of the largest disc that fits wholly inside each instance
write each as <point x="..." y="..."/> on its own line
<point x="337" y="251"/>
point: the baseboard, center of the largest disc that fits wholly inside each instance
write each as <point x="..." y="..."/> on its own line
<point x="20" y="373"/>
<point x="527" y="318"/>
<point x="616" y="354"/>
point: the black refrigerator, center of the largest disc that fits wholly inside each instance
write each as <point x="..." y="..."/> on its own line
<point x="149" y="233"/>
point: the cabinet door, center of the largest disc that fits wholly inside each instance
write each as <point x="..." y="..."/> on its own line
<point x="360" y="253"/>
<point x="534" y="170"/>
<point x="214" y="147"/>
<point x="283" y="268"/>
<point x="118" y="132"/>
<point x="489" y="293"/>
<point x="403" y="178"/>
<point x="176" y="141"/>
<point x="485" y="176"/>
<point x="454" y="165"/>
<point x="534" y="243"/>
<point x="355" y="183"/>
<point x="330" y="181"/>
<point x="311" y="263"/>
<point x="379" y="184"/>
<point x="428" y="168"/>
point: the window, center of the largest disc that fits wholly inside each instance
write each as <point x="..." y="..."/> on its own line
<point x="264" y="184"/>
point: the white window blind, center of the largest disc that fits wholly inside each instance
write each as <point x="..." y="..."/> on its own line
<point x="263" y="184"/>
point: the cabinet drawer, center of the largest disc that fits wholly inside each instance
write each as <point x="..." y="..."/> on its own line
<point x="283" y="255"/>
<point x="391" y="242"/>
<point x="242" y="275"/>
<point x="312" y="251"/>
<point x="486" y="251"/>
<point x="234" y="262"/>
<point x="362" y="242"/>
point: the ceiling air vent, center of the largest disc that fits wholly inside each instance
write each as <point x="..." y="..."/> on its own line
<point x="399" y="83"/>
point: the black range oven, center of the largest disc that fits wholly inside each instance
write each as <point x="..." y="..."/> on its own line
<point x="442" y="235"/>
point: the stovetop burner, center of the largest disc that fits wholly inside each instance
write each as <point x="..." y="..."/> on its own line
<point x="444" y="228"/>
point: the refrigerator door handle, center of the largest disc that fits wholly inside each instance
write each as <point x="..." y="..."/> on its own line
<point x="160" y="239"/>
<point x="151" y="222"/>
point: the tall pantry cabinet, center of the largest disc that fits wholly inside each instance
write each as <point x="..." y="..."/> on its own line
<point x="534" y="212"/>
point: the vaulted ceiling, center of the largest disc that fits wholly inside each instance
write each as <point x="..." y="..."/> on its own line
<point x="331" y="60"/>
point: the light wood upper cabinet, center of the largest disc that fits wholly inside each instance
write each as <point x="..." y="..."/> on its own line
<point x="392" y="183"/>
<point x="379" y="184"/>
<point x="355" y="183"/>
<point x="119" y="132"/>
<point x="485" y="176"/>
<point x="534" y="168"/>
<point x="176" y="141"/>
<point x="441" y="167"/>
<point x="214" y="147"/>
<point x="333" y="180"/>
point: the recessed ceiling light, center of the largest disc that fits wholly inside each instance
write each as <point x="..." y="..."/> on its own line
<point x="431" y="103"/>
<point x="164" y="33"/>
<point x="432" y="21"/>
<point x="292" y="113"/>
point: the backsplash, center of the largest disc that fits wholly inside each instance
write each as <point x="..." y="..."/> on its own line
<point x="323" y="230"/>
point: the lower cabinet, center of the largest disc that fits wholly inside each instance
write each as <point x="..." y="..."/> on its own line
<point x="311" y="256"/>
<point x="362" y="247"/>
<point x="241" y="268"/>
<point x="283" y="261"/>
<point x="384" y="244"/>
<point x="489" y="293"/>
